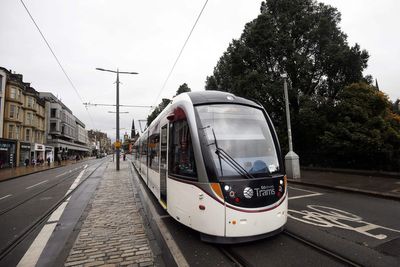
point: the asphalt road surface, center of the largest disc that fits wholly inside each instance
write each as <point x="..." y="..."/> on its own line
<point x="24" y="200"/>
<point x="325" y="228"/>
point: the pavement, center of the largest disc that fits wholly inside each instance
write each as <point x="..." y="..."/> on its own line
<point x="363" y="182"/>
<point x="11" y="173"/>
<point x="115" y="232"/>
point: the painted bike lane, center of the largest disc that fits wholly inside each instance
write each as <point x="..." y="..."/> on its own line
<point x="365" y="229"/>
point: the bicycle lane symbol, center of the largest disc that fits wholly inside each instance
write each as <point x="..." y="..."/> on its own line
<point x="330" y="217"/>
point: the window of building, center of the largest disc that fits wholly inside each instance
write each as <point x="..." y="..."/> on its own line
<point x="53" y="113"/>
<point x="29" y="118"/>
<point x="12" y="114"/>
<point x="181" y="156"/>
<point x="28" y="135"/>
<point x="10" y="131"/>
<point x="13" y="92"/>
<point x="53" y="127"/>
<point x="30" y="102"/>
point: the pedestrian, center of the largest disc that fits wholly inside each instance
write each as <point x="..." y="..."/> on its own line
<point x="48" y="161"/>
<point x="26" y="162"/>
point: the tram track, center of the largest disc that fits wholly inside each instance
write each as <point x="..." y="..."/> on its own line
<point x="10" y="246"/>
<point x="235" y="258"/>
<point x="239" y="259"/>
<point x="321" y="249"/>
<point x="16" y="205"/>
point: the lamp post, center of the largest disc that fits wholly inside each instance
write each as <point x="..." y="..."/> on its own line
<point x="292" y="163"/>
<point x="117" y="108"/>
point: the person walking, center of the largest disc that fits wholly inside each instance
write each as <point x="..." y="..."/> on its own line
<point x="48" y="161"/>
<point x="26" y="162"/>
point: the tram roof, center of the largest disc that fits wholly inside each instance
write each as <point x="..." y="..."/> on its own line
<point x="208" y="97"/>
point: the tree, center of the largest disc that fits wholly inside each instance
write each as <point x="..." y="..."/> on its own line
<point x="362" y="130"/>
<point x="184" y="88"/>
<point x="164" y="103"/>
<point x="303" y="39"/>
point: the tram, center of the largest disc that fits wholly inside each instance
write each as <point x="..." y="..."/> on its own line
<point x="213" y="161"/>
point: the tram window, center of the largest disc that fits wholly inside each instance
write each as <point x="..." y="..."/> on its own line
<point x="154" y="151"/>
<point x="143" y="152"/>
<point x="181" y="160"/>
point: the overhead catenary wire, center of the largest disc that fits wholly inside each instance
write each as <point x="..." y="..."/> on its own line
<point x="56" y="58"/>
<point x="180" y="53"/>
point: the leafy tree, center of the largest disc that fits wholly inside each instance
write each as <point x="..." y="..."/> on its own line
<point x="164" y="103"/>
<point x="303" y="39"/>
<point x="183" y="88"/>
<point x="362" y="130"/>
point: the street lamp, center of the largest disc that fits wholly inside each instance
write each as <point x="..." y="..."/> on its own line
<point x="117" y="106"/>
<point x="292" y="163"/>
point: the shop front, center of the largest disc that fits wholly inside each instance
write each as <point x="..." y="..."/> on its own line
<point x="37" y="153"/>
<point x="24" y="153"/>
<point x="7" y="153"/>
<point x="49" y="153"/>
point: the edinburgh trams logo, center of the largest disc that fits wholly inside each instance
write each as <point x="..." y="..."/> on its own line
<point x="263" y="191"/>
<point x="248" y="192"/>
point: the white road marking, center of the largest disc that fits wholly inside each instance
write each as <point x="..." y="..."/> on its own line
<point x="61" y="174"/>
<point x="42" y="182"/>
<point x="35" y="250"/>
<point x="32" y="255"/>
<point x="296" y="188"/>
<point x="303" y="196"/>
<point x="330" y="217"/>
<point x="5" y="197"/>
<point x="313" y="194"/>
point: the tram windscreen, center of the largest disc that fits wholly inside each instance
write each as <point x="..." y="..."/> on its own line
<point x="242" y="133"/>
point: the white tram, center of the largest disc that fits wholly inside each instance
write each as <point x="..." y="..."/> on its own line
<point x="213" y="161"/>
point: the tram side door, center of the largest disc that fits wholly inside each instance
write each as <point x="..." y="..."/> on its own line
<point x="163" y="165"/>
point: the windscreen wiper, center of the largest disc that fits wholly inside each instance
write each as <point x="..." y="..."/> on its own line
<point x="222" y="154"/>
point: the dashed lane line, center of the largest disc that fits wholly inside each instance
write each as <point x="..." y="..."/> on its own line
<point x="1" y="198"/>
<point x="42" y="182"/>
<point x="35" y="250"/>
<point x="313" y="193"/>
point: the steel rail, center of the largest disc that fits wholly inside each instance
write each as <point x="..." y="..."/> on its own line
<point x="39" y="221"/>
<point x="321" y="249"/>
<point x="2" y="212"/>
<point x="235" y="258"/>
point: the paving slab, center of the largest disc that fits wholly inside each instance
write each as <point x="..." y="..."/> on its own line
<point x="113" y="233"/>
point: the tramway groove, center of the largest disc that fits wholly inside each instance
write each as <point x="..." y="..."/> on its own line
<point x="236" y="259"/>
<point x="321" y="249"/>
<point x="30" y="228"/>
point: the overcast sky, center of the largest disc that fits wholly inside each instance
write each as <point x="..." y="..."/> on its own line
<point x="146" y="37"/>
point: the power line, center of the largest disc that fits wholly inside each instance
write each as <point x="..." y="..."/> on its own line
<point x="180" y="53"/>
<point x="113" y="105"/>
<point x="56" y="58"/>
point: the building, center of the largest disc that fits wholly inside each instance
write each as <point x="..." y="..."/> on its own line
<point x="100" y="143"/>
<point x="65" y="132"/>
<point x="23" y="122"/>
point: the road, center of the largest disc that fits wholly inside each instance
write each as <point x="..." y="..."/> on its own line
<point x="24" y="201"/>
<point x="362" y="228"/>
<point x="325" y="227"/>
